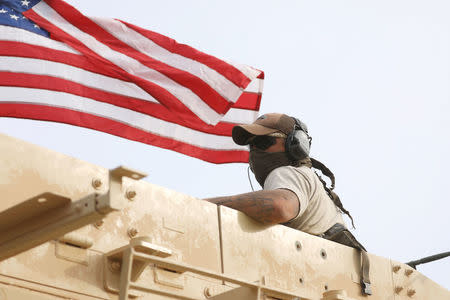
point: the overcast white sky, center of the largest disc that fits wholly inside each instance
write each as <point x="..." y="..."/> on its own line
<point x="371" y="80"/>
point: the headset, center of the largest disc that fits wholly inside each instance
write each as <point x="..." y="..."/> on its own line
<point x="298" y="141"/>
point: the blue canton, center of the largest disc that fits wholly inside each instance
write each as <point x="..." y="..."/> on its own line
<point x="11" y="15"/>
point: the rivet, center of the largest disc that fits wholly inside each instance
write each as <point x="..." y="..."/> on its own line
<point x="411" y="293"/>
<point x="396" y="268"/>
<point x="207" y="292"/>
<point x="78" y="207"/>
<point x="96" y="183"/>
<point x="323" y="254"/>
<point x="99" y="223"/>
<point x="326" y="287"/>
<point x="408" y="272"/>
<point x="300" y="280"/>
<point x="115" y="266"/>
<point x="42" y="200"/>
<point x="132" y="232"/>
<point x="131" y="194"/>
<point x="398" y="289"/>
<point x="298" y="246"/>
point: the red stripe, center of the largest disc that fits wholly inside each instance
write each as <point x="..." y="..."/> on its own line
<point x="228" y="71"/>
<point x="63" y="115"/>
<point x="186" y="79"/>
<point x="8" y="48"/>
<point x="250" y="101"/>
<point x="155" y="110"/>
<point x="157" y="92"/>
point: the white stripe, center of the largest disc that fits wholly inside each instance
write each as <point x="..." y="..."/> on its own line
<point x="247" y="70"/>
<point x="13" y="34"/>
<point x="215" y="80"/>
<point x="240" y="116"/>
<point x="135" y="119"/>
<point x="60" y="70"/>
<point x="97" y="81"/>
<point x="255" y="86"/>
<point x="132" y="66"/>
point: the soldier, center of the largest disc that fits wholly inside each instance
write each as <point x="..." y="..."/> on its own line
<point x="293" y="193"/>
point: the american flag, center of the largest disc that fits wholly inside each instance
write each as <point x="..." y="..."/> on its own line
<point x="105" y="74"/>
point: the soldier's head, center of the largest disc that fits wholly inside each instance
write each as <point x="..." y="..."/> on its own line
<point x="275" y="132"/>
<point x="275" y="140"/>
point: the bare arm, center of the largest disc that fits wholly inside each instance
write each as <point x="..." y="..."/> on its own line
<point x="267" y="207"/>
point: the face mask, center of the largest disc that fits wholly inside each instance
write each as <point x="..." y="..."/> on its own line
<point x="262" y="163"/>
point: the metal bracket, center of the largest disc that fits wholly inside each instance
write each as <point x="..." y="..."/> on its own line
<point x="43" y="218"/>
<point x="116" y="199"/>
<point x="131" y="267"/>
<point x="336" y="295"/>
<point x="139" y="245"/>
<point x="132" y="259"/>
<point x="49" y="216"/>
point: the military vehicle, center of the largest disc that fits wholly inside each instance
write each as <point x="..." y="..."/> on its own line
<point x="73" y="230"/>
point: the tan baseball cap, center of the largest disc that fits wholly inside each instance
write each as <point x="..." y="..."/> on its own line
<point x="264" y="125"/>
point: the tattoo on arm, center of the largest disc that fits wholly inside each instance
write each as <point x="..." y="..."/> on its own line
<point x="263" y="206"/>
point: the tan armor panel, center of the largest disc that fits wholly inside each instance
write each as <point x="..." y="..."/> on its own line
<point x="73" y="230"/>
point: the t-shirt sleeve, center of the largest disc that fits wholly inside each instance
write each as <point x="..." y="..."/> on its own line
<point x="292" y="179"/>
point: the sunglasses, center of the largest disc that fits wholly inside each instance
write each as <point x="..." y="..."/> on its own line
<point x="262" y="142"/>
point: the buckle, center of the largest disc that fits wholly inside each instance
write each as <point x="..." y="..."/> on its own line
<point x="366" y="288"/>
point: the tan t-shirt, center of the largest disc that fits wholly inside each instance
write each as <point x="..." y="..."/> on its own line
<point x="317" y="211"/>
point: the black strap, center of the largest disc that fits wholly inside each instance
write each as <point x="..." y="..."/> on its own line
<point x="334" y="197"/>
<point x="339" y="234"/>
<point x="366" y="288"/>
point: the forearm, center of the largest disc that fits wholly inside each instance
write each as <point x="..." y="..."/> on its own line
<point x="263" y="206"/>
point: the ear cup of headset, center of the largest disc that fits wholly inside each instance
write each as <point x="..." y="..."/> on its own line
<point x="298" y="142"/>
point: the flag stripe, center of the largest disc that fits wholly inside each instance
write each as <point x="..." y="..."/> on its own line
<point x="81" y="119"/>
<point x="236" y="116"/>
<point x="9" y="48"/>
<point x="160" y="87"/>
<point x="248" y="71"/>
<point x="122" y="115"/>
<point x="240" y="116"/>
<point x="256" y="86"/>
<point x="141" y="44"/>
<point x="248" y="101"/>
<point x="61" y="70"/>
<point x="18" y="49"/>
<point x="232" y="74"/>
<point x="230" y="71"/>
<point x="219" y="103"/>
<point x="14" y="34"/>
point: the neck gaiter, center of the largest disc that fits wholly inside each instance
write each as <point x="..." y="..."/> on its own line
<point x="262" y="163"/>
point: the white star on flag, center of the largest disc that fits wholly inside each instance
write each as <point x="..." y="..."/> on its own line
<point x="2" y="11"/>
<point x="14" y="17"/>
<point x="25" y="3"/>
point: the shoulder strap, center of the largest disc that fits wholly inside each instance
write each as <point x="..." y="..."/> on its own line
<point x="334" y="197"/>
